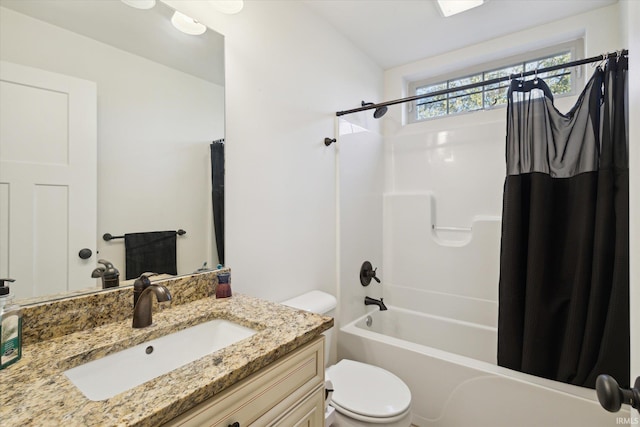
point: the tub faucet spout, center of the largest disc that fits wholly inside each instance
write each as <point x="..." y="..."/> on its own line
<point x="142" y="309"/>
<point x="373" y="301"/>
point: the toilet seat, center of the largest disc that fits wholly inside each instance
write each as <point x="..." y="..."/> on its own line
<point x="368" y="393"/>
<point x="369" y="420"/>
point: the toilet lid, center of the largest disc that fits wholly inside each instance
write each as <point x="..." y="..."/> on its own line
<point x="368" y="390"/>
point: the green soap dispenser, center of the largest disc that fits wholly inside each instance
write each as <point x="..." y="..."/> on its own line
<point x="10" y="327"/>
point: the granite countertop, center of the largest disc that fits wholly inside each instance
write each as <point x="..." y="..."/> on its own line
<point x="35" y="391"/>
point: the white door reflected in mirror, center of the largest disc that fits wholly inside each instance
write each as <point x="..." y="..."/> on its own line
<point x="48" y="175"/>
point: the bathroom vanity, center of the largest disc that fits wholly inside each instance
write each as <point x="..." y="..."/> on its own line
<point x="274" y="377"/>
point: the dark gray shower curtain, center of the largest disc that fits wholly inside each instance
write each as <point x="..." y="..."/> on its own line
<point x="217" y="195"/>
<point x="564" y="261"/>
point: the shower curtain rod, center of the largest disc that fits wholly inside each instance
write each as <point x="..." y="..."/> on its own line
<point x="487" y="82"/>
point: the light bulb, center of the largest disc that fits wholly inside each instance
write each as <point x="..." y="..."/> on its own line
<point x="140" y="4"/>
<point x="227" y="6"/>
<point x="187" y="25"/>
<point x="453" y="7"/>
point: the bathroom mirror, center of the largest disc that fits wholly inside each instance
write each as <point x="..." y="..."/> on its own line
<point x="159" y="106"/>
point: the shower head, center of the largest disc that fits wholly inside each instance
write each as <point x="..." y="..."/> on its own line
<point x="379" y="112"/>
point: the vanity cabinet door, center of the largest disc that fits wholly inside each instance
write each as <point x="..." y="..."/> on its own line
<point x="265" y="396"/>
<point x="308" y="413"/>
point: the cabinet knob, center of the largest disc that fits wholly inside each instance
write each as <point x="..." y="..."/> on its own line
<point x="236" y="424"/>
<point x="85" y="253"/>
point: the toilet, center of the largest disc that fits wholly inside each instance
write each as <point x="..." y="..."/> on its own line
<point x="364" y="395"/>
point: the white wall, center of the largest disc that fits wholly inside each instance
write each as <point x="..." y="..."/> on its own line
<point x="450" y="172"/>
<point x="154" y="129"/>
<point x="287" y="73"/>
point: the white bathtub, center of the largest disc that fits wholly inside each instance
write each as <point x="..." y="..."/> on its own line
<point x="450" y="367"/>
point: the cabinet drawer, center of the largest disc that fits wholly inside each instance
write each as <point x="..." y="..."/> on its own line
<point x="290" y="378"/>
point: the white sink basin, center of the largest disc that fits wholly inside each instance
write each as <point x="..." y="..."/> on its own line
<point x="103" y="378"/>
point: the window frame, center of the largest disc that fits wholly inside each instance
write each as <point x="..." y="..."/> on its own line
<point x="574" y="47"/>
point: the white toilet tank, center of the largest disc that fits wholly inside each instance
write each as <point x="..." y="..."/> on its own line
<point x="318" y="302"/>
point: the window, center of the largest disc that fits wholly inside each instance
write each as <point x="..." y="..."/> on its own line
<point x="561" y="82"/>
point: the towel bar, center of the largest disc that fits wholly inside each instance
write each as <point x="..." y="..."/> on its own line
<point x="107" y="236"/>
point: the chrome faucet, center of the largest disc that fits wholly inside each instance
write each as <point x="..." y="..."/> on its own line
<point x="142" y="309"/>
<point x="372" y="301"/>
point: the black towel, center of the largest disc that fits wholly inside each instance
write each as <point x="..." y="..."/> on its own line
<point x="154" y="252"/>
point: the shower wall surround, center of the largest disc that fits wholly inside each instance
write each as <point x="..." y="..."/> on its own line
<point x="442" y="220"/>
<point x="446" y="273"/>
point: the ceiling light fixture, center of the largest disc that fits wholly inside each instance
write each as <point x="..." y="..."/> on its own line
<point x="452" y="7"/>
<point x="228" y="7"/>
<point x="140" y="4"/>
<point x="187" y="25"/>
